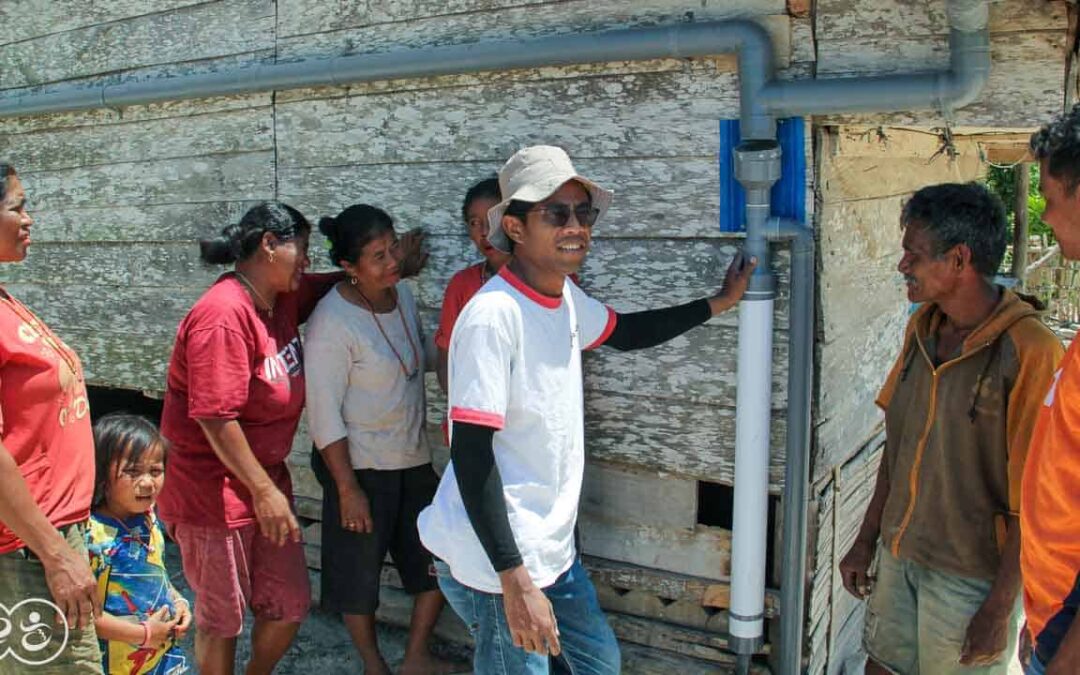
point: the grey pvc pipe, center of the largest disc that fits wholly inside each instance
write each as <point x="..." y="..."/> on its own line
<point x="747" y="38"/>
<point x="797" y="459"/>
<point x="948" y="89"/>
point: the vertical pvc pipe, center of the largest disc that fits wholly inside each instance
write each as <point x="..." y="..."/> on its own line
<point x="749" y="536"/>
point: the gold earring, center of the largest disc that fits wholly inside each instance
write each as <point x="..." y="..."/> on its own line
<point x="270" y="256"/>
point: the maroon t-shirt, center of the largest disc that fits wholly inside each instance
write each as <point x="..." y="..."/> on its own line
<point x="233" y="362"/>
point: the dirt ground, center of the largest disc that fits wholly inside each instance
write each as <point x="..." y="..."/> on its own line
<point x="322" y="647"/>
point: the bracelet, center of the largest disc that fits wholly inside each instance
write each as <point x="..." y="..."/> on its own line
<point x="146" y="635"/>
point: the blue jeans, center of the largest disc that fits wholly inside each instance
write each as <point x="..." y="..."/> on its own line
<point x="1035" y="667"/>
<point x="588" y="643"/>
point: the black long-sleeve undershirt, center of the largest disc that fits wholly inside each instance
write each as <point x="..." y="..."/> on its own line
<point x="481" y="490"/>
<point x="652" y="327"/>
<point x="473" y="456"/>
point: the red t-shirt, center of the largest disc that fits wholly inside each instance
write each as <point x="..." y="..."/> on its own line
<point x="232" y="362"/>
<point x="463" y="285"/>
<point x="459" y="291"/>
<point x="44" y="418"/>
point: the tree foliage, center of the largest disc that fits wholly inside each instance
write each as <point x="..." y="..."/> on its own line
<point x="1003" y="182"/>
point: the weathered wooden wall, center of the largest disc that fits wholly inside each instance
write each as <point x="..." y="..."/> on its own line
<point x="120" y="197"/>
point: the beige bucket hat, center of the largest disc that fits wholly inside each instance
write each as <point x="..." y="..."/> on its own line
<point x="532" y="175"/>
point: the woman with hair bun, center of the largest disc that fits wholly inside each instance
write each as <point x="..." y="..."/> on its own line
<point x="233" y="399"/>
<point x="366" y="357"/>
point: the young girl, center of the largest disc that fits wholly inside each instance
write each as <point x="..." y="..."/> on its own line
<point x="468" y="281"/>
<point x="144" y="616"/>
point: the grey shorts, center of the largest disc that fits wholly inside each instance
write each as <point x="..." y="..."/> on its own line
<point x="917" y="617"/>
<point x="36" y="643"/>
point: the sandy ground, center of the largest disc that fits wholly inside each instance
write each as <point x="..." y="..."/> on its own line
<point x="322" y="647"/>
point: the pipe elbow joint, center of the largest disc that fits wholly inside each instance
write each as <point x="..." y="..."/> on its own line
<point x="970" y="70"/>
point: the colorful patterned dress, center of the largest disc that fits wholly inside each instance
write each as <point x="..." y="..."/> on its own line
<point x="127" y="557"/>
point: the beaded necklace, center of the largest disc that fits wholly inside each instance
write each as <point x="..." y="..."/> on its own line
<point x="408" y="336"/>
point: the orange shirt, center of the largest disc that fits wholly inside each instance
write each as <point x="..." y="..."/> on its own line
<point x="44" y="418"/>
<point x="1050" y="511"/>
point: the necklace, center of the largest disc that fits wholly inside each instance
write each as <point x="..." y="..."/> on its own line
<point x="36" y="324"/>
<point x="251" y="287"/>
<point x="405" y="326"/>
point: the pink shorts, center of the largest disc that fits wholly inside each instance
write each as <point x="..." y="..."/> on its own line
<point x="232" y="569"/>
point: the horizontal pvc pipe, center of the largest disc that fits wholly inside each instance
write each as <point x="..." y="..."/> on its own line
<point x="747" y="38"/>
<point x="943" y="90"/>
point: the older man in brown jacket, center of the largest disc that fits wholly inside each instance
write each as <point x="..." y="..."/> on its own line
<point x="960" y="404"/>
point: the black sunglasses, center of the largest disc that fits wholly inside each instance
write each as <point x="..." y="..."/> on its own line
<point x="558" y="215"/>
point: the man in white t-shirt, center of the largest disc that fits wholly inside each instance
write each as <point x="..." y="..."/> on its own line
<point x="502" y="522"/>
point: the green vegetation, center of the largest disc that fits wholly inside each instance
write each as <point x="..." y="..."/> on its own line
<point x="1003" y="182"/>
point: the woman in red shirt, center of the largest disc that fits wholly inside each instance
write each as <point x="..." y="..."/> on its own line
<point x="233" y="399"/>
<point x="465" y="283"/>
<point x="47" y="473"/>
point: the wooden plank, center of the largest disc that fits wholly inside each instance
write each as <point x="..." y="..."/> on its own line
<point x="529" y="22"/>
<point x="162" y="264"/>
<point x="138" y="311"/>
<point x="639" y="115"/>
<point x="119" y="359"/>
<point x="656" y="500"/>
<point x="247" y="130"/>
<point x="871" y="162"/>
<point x="218" y="178"/>
<point x="141" y="113"/>
<point x="846" y="19"/>
<point x="1025" y="87"/>
<point x="641" y="660"/>
<point x="301" y="18"/>
<point x="669" y="637"/>
<point x="36" y="19"/>
<point x="143" y="41"/>
<point x="704" y="552"/>
<point x="656" y="198"/>
<point x="698" y="366"/>
<point x="129" y="223"/>
<point x="683" y="438"/>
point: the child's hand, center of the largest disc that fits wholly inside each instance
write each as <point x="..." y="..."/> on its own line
<point x="183" y="617"/>
<point x="160" y="627"/>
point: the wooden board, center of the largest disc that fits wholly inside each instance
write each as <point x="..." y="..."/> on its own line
<point x="683" y="438"/>
<point x="620" y="496"/>
<point x="534" y="21"/>
<point x="303" y="18"/>
<point x="146" y="222"/>
<point x="36" y="19"/>
<point x="236" y="131"/>
<point x="143" y="113"/>
<point x="655" y="197"/>
<point x="217" y="178"/>
<point x="703" y="552"/>
<point x="846" y="19"/>
<point x="147" y="40"/>
<point x="637" y="115"/>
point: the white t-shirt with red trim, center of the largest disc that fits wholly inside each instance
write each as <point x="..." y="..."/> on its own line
<point x="515" y="366"/>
